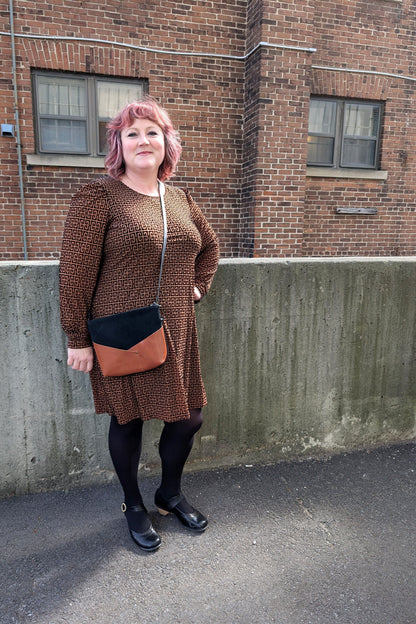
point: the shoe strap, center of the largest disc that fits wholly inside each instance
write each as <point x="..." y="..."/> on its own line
<point x="124" y="508"/>
<point x="173" y="502"/>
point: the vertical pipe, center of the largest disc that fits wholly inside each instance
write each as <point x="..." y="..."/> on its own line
<point x="17" y="122"/>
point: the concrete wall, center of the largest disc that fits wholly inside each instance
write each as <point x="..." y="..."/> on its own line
<point x="300" y="358"/>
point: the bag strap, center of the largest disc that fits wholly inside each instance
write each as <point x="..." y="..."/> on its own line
<point x="165" y="234"/>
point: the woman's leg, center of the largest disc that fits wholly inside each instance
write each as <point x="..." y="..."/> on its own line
<point x="174" y="447"/>
<point x="125" y="444"/>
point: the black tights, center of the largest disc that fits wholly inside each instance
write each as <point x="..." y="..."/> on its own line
<point x="176" y="440"/>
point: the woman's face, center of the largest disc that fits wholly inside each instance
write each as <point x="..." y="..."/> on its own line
<point x="143" y="146"/>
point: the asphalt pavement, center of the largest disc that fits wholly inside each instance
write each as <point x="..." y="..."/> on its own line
<point x="313" y="542"/>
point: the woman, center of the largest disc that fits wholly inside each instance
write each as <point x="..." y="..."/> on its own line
<point x="110" y="263"/>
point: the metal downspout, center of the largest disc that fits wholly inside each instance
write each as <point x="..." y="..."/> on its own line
<point x="17" y="122"/>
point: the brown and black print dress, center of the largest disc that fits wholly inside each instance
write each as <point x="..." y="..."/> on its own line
<point x="110" y="263"/>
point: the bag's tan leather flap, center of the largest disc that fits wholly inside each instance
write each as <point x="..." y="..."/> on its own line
<point x="147" y="354"/>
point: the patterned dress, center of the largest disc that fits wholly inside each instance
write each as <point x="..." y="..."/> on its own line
<point x="110" y="263"/>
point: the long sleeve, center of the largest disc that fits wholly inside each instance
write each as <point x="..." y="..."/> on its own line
<point x="81" y="253"/>
<point x="207" y="260"/>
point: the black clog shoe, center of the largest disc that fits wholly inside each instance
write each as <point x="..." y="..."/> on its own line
<point x="148" y="540"/>
<point x="191" y="518"/>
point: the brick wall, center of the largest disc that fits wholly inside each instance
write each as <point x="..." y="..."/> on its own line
<point x="243" y="123"/>
<point x="204" y="96"/>
<point x="376" y="36"/>
<point x="275" y="130"/>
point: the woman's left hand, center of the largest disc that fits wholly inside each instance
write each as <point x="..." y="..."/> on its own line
<point x="197" y="294"/>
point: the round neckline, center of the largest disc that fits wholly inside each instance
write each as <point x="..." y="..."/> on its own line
<point x="138" y="192"/>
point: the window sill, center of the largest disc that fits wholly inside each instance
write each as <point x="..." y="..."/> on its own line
<point x="357" y="174"/>
<point x="65" y="160"/>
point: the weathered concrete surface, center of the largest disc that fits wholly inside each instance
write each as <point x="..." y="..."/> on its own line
<point x="301" y="357"/>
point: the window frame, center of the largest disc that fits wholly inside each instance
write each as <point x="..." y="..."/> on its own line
<point x="338" y="158"/>
<point x="92" y="117"/>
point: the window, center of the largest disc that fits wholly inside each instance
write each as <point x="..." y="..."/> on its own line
<point x="71" y="111"/>
<point x="343" y="133"/>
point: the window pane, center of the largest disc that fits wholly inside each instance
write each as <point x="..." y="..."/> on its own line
<point x="61" y="97"/>
<point x="322" y="117"/>
<point x="111" y="98"/>
<point x="320" y="150"/>
<point x="358" y="153"/>
<point x="59" y="135"/>
<point x="361" y="120"/>
<point x="62" y="110"/>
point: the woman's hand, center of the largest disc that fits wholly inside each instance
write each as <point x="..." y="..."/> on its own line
<point x="197" y="294"/>
<point x="81" y="359"/>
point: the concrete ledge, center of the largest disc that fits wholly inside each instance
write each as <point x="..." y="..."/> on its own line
<point x="362" y="174"/>
<point x="64" y="160"/>
<point x="301" y="358"/>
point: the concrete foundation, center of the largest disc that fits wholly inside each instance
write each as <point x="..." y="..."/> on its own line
<point x="301" y="358"/>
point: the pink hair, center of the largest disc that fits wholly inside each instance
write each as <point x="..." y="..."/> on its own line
<point x="146" y="108"/>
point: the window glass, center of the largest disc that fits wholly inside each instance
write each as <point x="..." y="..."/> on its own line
<point x="62" y="106"/>
<point x="320" y="150"/>
<point x="62" y="97"/>
<point x="111" y="97"/>
<point x="360" y="135"/>
<point x="358" y="153"/>
<point x="321" y="139"/>
<point x="361" y="120"/>
<point x="322" y="116"/>
<point x="63" y="135"/>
